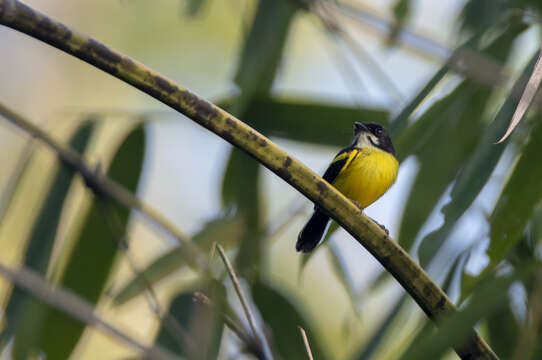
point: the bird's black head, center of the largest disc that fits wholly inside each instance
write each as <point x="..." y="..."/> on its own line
<point x="372" y="135"/>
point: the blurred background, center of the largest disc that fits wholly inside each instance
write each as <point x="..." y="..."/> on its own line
<point x="445" y="77"/>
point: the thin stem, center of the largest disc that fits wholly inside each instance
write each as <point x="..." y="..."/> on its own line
<point x="244" y="303"/>
<point x="76" y="307"/>
<point x="233" y="323"/>
<point x="305" y="342"/>
<point x="238" y="290"/>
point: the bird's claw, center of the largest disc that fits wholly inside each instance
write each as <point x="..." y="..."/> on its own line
<point x="357" y="204"/>
<point x="376" y="222"/>
<point x="381" y="226"/>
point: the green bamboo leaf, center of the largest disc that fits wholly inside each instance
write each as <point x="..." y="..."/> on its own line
<point x="310" y="121"/>
<point x="454" y="329"/>
<point x="342" y="272"/>
<point x="401" y="12"/>
<point x="453" y="125"/>
<point x="284" y="316"/>
<point x="201" y="326"/>
<point x="307" y="120"/>
<point x="400" y="122"/>
<point x="518" y="200"/>
<point x="262" y="50"/>
<point x="442" y="155"/>
<point x="479" y="15"/>
<point x="225" y="230"/>
<point x="11" y="188"/>
<point x="475" y="173"/>
<point x="90" y="262"/>
<point x="376" y="340"/>
<point x="503" y="332"/>
<point x="241" y="191"/>
<point x="41" y="239"/>
<point x="193" y="8"/>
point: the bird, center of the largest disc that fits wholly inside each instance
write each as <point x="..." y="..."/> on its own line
<point x="362" y="171"/>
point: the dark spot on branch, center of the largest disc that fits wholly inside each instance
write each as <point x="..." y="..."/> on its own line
<point x="385" y="260"/>
<point x="284" y="172"/>
<point x="194" y="107"/>
<point x="103" y="52"/>
<point x="322" y="187"/>
<point x="227" y="135"/>
<point x="231" y="122"/>
<point x="441" y="305"/>
<point x="251" y="136"/>
<point x="46" y="25"/>
<point x="205" y="111"/>
<point x="67" y="34"/>
<point x="164" y="85"/>
<point x="254" y="137"/>
<point x="288" y="161"/>
<point x="129" y="64"/>
<point x="427" y="290"/>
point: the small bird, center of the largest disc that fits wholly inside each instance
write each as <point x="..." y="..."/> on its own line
<point x="363" y="172"/>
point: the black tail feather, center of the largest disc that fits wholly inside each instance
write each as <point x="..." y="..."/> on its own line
<point x="312" y="232"/>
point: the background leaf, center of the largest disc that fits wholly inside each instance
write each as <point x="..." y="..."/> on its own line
<point x="455" y="124"/>
<point x="283" y="317"/>
<point x="90" y="262"/>
<point x="454" y="329"/>
<point x="475" y="173"/>
<point x="200" y="325"/>
<point x="518" y="200"/>
<point x="226" y="230"/>
<point x="263" y="50"/>
<point x="41" y="239"/>
<point x="309" y="121"/>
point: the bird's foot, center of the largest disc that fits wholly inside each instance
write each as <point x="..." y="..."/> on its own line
<point x="376" y="222"/>
<point x="357" y="204"/>
<point x="381" y="226"/>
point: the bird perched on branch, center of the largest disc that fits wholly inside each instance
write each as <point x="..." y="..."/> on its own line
<point x="363" y="172"/>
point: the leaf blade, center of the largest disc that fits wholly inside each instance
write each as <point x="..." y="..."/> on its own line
<point x="95" y="244"/>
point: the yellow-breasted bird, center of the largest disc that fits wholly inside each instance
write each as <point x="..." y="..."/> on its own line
<point x="363" y="172"/>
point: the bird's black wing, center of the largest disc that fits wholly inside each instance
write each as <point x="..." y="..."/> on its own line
<point x="336" y="165"/>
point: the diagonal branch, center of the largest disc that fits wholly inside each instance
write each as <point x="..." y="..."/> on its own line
<point x="78" y="308"/>
<point x="410" y="275"/>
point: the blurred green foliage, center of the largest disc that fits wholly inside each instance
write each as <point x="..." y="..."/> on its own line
<point x="451" y="135"/>
<point x="22" y="309"/>
<point x="191" y="328"/>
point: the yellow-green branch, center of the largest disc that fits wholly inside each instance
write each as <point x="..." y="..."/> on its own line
<point x="423" y="290"/>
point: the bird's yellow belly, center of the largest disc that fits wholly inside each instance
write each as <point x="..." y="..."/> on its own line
<point x="368" y="176"/>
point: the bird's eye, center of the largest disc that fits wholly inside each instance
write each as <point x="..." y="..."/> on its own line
<point x="378" y="132"/>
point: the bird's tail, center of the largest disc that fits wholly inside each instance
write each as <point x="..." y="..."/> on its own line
<point x="312" y="232"/>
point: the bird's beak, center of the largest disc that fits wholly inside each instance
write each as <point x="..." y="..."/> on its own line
<point x="359" y="127"/>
